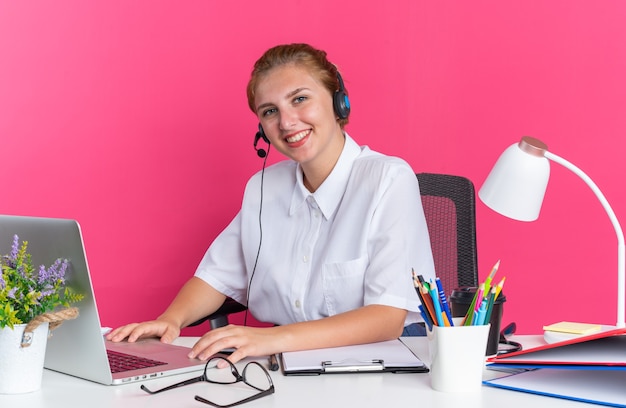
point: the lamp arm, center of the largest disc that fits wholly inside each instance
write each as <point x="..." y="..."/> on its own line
<point x="621" y="257"/>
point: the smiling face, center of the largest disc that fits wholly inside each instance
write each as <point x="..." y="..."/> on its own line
<point x="296" y="112"/>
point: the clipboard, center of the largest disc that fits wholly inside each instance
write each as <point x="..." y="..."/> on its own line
<point x="388" y="356"/>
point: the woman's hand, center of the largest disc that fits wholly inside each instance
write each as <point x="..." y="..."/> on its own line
<point x="163" y="329"/>
<point x="195" y="300"/>
<point x="246" y="341"/>
<point x="353" y="327"/>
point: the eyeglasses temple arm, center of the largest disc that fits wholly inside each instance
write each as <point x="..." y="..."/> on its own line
<point x="243" y="401"/>
<point x="177" y="385"/>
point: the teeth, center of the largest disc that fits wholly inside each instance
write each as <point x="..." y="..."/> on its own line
<point x="297" y="137"/>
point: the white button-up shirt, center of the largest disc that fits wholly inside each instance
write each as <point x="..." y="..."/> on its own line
<point x="351" y="243"/>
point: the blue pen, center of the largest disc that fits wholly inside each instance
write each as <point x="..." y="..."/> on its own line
<point x="427" y="320"/>
<point x="444" y="301"/>
<point x="435" y="298"/>
<point x="480" y="316"/>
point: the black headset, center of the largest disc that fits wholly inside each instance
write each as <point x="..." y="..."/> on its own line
<point x="341" y="105"/>
<point x="260" y="134"/>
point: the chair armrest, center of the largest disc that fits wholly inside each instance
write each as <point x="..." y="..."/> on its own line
<point x="219" y="318"/>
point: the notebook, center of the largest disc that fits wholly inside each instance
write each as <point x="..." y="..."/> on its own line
<point x="78" y="347"/>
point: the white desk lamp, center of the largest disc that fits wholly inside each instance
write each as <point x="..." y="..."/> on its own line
<point x="516" y="186"/>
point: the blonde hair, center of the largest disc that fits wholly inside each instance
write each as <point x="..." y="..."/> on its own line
<point x="302" y="55"/>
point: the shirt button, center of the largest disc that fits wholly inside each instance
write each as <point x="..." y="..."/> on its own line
<point x="297" y="304"/>
<point x="305" y="259"/>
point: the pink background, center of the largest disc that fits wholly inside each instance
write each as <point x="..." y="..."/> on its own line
<point x="130" y="116"/>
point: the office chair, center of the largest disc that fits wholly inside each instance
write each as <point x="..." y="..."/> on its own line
<point x="219" y="318"/>
<point x="449" y="206"/>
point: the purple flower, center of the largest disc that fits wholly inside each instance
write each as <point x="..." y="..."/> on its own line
<point x="62" y="270"/>
<point x="22" y="271"/>
<point x="54" y="274"/>
<point x="8" y="261"/>
<point x="49" y="291"/>
<point x="15" y="247"/>
<point x="31" y="290"/>
<point x="43" y="275"/>
<point x="11" y="293"/>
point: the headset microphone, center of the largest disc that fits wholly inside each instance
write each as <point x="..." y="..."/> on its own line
<point x="260" y="135"/>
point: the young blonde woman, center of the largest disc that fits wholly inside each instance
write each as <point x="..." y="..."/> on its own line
<point x="324" y="243"/>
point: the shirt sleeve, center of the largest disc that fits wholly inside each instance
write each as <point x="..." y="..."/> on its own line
<point x="223" y="265"/>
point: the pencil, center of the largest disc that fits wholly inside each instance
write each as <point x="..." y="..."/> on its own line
<point x="499" y="286"/>
<point x="475" y="303"/>
<point x="446" y="321"/>
<point x="479" y="297"/>
<point x="424" y="297"/>
<point x="491" y="275"/>
<point x="416" y="280"/>
<point x="434" y="296"/>
<point x="428" y="303"/>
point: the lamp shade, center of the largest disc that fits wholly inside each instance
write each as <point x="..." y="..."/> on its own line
<point x="516" y="185"/>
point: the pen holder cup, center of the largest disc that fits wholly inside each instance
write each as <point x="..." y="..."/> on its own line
<point x="457" y="357"/>
<point x="460" y="301"/>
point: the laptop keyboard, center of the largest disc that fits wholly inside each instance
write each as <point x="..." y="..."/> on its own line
<point x="120" y="362"/>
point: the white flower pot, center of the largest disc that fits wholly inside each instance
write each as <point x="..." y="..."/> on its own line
<point x="21" y="368"/>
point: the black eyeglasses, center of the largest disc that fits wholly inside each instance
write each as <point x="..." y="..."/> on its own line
<point x="505" y="345"/>
<point x="253" y="375"/>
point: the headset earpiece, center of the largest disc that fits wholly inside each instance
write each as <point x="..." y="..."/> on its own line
<point x="260" y="134"/>
<point x="341" y="103"/>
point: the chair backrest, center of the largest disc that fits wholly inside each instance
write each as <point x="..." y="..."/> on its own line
<point x="450" y="208"/>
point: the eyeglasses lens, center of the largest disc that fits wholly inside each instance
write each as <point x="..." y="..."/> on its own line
<point x="253" y="382"/>
<point x="255" y="376"/>
<point x="216" y="375"/>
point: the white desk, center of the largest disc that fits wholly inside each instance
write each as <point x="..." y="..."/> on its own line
<point x="338" y="390"/>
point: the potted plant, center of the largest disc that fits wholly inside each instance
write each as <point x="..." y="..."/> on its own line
<point x="33" y="301"/>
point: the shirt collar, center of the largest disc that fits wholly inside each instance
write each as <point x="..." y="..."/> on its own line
<point x="329" y="194"/>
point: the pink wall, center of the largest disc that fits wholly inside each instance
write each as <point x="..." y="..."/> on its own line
<point x="131" y="117"/>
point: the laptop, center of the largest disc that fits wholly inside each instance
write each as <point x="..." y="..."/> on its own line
<point x="78" y="347"/>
